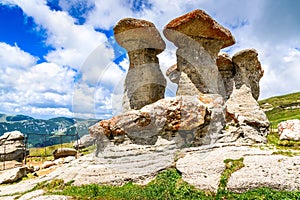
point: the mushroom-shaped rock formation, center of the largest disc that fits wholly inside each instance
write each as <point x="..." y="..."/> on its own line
<point x="144" y="83"/>
<point x="199" y="39"/>
<point x="202" y="28"/>
<point x="248" y="70"/>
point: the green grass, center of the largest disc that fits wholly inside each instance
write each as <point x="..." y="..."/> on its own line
<point x="286" y="153"/>
<point x="230" y="167"/>
<point x="282" y="108"/>
<point x="278" y="115"/>
<point x="273" y="139"/>
<point x="284" y="100"/>
<point x="47" y="151"/>
<point x="167" y="185"/>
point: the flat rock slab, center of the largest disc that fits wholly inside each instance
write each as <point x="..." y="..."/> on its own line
<point x="200" y="166"/>
<point x="117" y="165"/>
<point x="203" y="169"/>
<point x="273" y="171"/>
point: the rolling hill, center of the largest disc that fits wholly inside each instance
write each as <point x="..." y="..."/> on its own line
<point x="281" y="108"/>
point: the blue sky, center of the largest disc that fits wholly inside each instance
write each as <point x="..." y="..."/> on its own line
<point x="59" y="57"/>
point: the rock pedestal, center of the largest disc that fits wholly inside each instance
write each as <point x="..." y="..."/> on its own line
<point x="144" y="83"/>
<point x="199" y="39"/>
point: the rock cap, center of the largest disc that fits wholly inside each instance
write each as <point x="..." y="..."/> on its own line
<point x="135" y="34"/>
<point x="198" y="24"/>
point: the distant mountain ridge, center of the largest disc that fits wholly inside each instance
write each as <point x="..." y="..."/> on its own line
<point x="42" y="132"/>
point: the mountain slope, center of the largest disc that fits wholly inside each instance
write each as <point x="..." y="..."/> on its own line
<point x="42" y="132"/>
<point x="281" y="108"/>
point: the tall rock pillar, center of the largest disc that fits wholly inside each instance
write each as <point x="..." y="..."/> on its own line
<point x="199" y="39"/>
<point x="144" y="83"/>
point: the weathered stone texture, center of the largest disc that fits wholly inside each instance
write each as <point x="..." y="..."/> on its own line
<point x="199" y="39"/>
<point x="12" y="146"/>
<point x="289" y="130"/>
<point x="227" y="71"/>
<point x="248" y="70"/>
<point x="200" y="25"/>
<point x="246" y="121"/>
<point x="173" y="74"/>
<point x="12" y="175"/>
<point x="144" y="83"/>
<point x="186" y="119"/>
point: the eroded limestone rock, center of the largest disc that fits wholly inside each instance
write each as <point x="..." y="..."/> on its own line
<point x="248" y="70"/>
<point x="173" y="74"/>
<point x="199" y="39"/>
<point x="144" y="83"/>
<point x="192" y="120"/>
<point x="289" y="130"/>
<point x="246" y="121"/>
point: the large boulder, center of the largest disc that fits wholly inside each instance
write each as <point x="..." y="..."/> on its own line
<point x="205" y="78"/>
<point x="64" y="152"/>
<point x="12" y="146"/>
<point x="289" y="130"/>
<point x="192" y="120"/>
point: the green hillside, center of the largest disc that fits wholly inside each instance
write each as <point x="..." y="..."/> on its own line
<point x="281" y="108"/>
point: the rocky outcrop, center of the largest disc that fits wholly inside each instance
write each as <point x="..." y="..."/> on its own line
<point x="144" y="83"/>
<point x="189" y="120"/>
<point x="246" y="122"/>
<point x="205" y="78"/>
<point x="289" y="130"/>
<point x="12" y="146"/>
<point x="199" y="39"/>
<point x="64" y="152"/>
<point x="248" y="70"/>
<point x="83" y="142"/>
